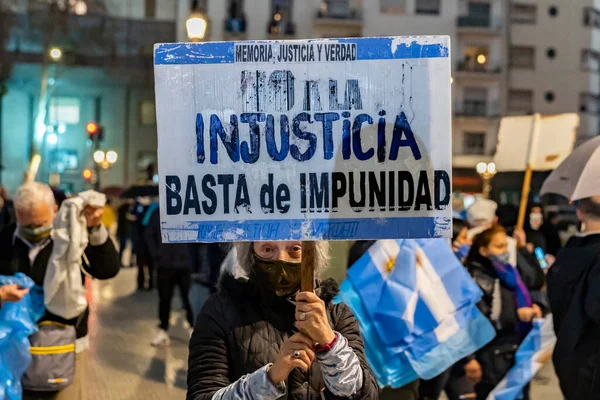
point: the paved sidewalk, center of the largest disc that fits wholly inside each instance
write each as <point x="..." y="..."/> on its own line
<point x="122" y="364"/>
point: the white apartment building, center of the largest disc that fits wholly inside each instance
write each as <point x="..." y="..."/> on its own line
<point x="509" y="57"/>
<point x="479" y="85"/>
<point x="476" y="29"/>
<point x="554" y="53"/>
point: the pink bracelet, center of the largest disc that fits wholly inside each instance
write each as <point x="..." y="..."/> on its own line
<point x="326" y="347"/>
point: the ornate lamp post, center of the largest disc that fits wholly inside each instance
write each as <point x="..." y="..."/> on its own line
<point x="487" y="172"/>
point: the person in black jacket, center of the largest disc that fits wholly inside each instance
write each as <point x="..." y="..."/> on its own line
<point x="144" y="260"/>
<point x="533" y="225"/>
<point x="260" y="338"/>
<point x="574" y="291"/>
<point x="174" y="261"/>
<point x="27" y="246"/>
<point x="506" y="302"/>
<point x="124" y="230"/>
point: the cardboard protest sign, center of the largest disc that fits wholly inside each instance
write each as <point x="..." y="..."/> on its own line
<point x="338" y="139"/>
<point x="543" y="142"/>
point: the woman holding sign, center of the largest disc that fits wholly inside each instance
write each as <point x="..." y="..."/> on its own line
<point x="261" y="338"/>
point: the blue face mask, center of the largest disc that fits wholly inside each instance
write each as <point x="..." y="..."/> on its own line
<point x="462" y="251"/>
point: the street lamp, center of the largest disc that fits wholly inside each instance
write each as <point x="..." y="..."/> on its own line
<point x="99" y="157"/>
<point x="55" y="53"/>
<point x="111" y="157"/>
<point x="196" y="26"/>
<point x="105" y="160"/>
<point x="487" y="172"/>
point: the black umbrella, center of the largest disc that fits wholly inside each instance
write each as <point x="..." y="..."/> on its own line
<point x="140" y="191"/>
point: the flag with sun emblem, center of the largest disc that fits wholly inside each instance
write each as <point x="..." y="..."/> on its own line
<point x="416" y="305"/>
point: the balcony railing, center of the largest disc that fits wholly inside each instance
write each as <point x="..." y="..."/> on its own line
<point x="475" y="21"/>
<point x="476" y="108"/>
<point x="478" y="68"/>
<point x="235" y="26"/>
<point x="345" y="16"/>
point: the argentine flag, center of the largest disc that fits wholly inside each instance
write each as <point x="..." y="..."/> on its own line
<point x="532" y="354"/>
<point x="416" y="306"/>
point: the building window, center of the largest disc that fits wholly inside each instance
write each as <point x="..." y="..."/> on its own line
<point x="591" y="17"/>
<point x="64" y="159"/>
<point x="522" y="57"/>
<point x="553" y="11"/>
<point x="549" y="96"/>
<point x="428" y="7"/>
<point x="590" y="60"/>
<point x="475" y="101"/>
<point x="520" y="101"/>
<point x="475" y="59"/>
<point x="551" y="53"/>
<point x="392" y="6"/>
<point x="589" y="103"/>
<point x="281" y="18"/>
<point x="64" y="110"/>
<point x="479" y="15"/>
<point x="147" y="113"/>
<point x="474" y="143"/>
<point x="523" y="13"/>
<point x="236" y="19"/>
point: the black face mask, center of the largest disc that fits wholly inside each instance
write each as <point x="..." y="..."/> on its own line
<point x="277" y="276"/>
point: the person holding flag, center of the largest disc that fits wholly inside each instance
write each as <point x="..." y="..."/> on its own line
<point x="506" y="302"/>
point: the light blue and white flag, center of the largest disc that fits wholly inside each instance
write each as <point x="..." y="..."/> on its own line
<point x="533" y="353"/>
<point x="417" y="308"/>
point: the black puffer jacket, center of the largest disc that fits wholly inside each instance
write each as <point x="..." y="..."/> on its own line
<point x="482" y="271"/>
<point x="498" y="356"/>
<point x="242" y="328"/>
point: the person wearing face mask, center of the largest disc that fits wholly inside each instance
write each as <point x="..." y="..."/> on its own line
<point x="533" y="225"/>
<point x="506" y="302"/>
<point x="27" y="247"/>
<point x="259" y="337"/>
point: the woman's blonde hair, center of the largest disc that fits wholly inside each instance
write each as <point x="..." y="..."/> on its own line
<point x="246" y="261"/>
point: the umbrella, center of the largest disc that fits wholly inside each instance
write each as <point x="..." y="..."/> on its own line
<point x="578" y="176"/>
<point x="140" y="191"/>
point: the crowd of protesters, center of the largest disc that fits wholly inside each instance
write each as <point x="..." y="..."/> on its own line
<point x="257" y="336"/>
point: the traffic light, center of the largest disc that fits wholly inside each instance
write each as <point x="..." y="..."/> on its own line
<point x="94" y="131"/>
<point x="87" y="174"/>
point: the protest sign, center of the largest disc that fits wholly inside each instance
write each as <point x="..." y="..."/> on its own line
<point x="534" y="143"/>
<point x="542" y="141"/>
<point x="338" y="139"/>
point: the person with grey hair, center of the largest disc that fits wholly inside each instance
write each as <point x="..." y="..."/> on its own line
<point x="27" y="247"/>
<point x="259" y="337"/>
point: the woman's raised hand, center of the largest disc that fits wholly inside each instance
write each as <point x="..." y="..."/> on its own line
<point x="311" y="318"/>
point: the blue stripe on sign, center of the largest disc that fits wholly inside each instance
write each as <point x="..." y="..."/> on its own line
<point x="300" y="229"/>
<point x="383" y="48"/>
<point x="194" y="53"/>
